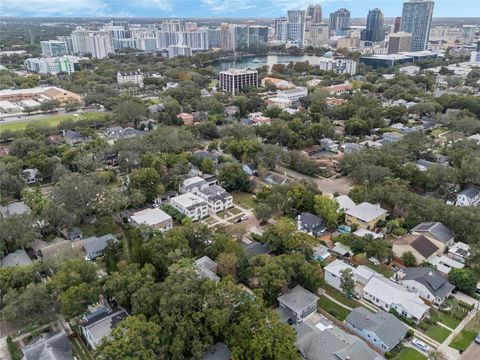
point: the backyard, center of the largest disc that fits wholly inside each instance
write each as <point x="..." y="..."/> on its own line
<point x="409" y="354"/>
<point x="244" y="199"/>
<point x="337" y="295"/>
<point x="332" y="308"/>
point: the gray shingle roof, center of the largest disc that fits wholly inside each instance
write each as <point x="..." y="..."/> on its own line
<point x="471" y="192"/>
<point x="436" y="230"/>
<point x="432" y="279"/>
<point x="16" y="258"/>
<point x="94" y="244"/>
<point x="387" y="327"/>
<point x="50" y="346"/>
<point x="311" y="222"/>
<point x="219" y="352"/>
<point x="298" y="298"/>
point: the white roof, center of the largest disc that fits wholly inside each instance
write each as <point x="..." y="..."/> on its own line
<point x="365" y="272"/>
<point x="4" y="104"/>
<point x="444" y="264"/>
<point x="337" y="266"/>
<point x="366" y="211"/>
<point x="344" y="202"/>
<point x="188" y="199"/>
<point x="475" y="137"/>
<point x="29" y="103"/>
<point x="364" y="232"/>
<point x="150" y="217"/>
<point x="193" y="180"/>
<point x="460" y="249"/>
<point x="391" y="293"/>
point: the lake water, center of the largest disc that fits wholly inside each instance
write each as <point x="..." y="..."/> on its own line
<point x="251" y="61"/>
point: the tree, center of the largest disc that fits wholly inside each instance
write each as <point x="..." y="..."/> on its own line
<point x="133" y="338"/>
<point x="18" y="231"/>
<point x="327" y="209"/>
<point x="147" y="180"/>
<point x="227" y="264"/>
<point x="207" y="166"/>
<point x="74" y="272"/>
<point x="463" y="279"/>
<point x="33" y="305"/>
<point x="409" y="259"/>
<point x="75" y="300"/>
<point x="233" y="178"/>
<point x="130" y="110"/>
<point x="34" y="199"/>
<point x="263" y="212"/>
<point x="347" y="282"/>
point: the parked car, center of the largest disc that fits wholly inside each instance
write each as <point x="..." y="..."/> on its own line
<point x="244" y="217"/>
<point x="421" y="345"/>
<point x="477" y="339"/>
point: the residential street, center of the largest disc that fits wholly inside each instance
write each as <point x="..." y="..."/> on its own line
<point x="472" y="353"/>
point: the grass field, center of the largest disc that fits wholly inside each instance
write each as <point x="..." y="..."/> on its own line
<point x="244" y="199"/>
<point x="450" y="321"/>
<point x="463" y="339"/>
<point x="50" y="121"/>
<point x="332" y="308"/>
<point x="337" y="295"/>
<point x="409" y="354"/>
<point x="438" y="333"/>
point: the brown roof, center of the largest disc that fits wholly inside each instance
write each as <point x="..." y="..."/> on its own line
<point x="420" y="243"/>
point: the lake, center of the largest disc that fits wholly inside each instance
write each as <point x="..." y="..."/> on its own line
<point x="248" y="61"/>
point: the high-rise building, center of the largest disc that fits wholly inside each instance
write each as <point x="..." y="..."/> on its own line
<point x="190" y="26"/>
<point x="179" y="50"/>
<point x="197" y="40"/>
<point x="399" y="42"/>
<point x="396" y="26"/>
<point x="165" y="39"/>
<point x="53" y="65"/>
<point x="127" y="43"/>
<point x="340" y="20"/>
<point x="475" y="55"/>
<point x="468" y="34"/>
<point x="314" y="12"/>
<point x="233" y="80"/>
<point x="54" y="48"/>
<point x="318" y="34"/>
<point x="67" y="40"/>
<point x="81" y="41"/>
<point x="375" y="30"/>
<point x="296" y="26"/>
<point x="101" y="44"/>
<point x="281" y="29"/>
<point x="257" y="36"/>
<point x="147" y="44"/>
<point x="239" y="36"/>
<point x="416" y="20"/>
<point x="225" y="37"/>
<point x="117" y="31"/>
<point x="214" y="38"/>
<point x="171" y="25"/>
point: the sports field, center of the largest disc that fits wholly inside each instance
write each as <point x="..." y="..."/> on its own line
<point x="50" y="120"/>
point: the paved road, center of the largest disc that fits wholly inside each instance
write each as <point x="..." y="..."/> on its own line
<point x="472" y="353"/>
<point x="332" y="185"/>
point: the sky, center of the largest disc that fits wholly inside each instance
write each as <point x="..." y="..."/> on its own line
<point x="218" y="8"/>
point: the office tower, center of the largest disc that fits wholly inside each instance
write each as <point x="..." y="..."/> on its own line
<point x="54" y="48"/>
<point x="468" y="34"/>
<point x="340" y="19"/>
<point x="101" y="44"/>
<point x="416" y="20"/>
<point x="197" y="40"/>
<point x="375" y="30"/>
<point x="214" y="38"/>
<point x="318" y="34"/>
<point x="399" y="42"/>
<point x="396" y="26"/>
<point x="314" y="12"/>
<point x="81" y="41"/>
<point x="239" y="36"/>
<point x="257" y="36"/>
<point x="179" y="50"/>
<point x="296" y="26"/>
<point x="68" y="41"/>
<point x="232" y="80"/>
<point x="281" y="29"/>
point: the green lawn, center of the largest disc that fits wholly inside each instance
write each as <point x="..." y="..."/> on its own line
<point x="332" y="308"/>
<point x="50" y="121"/>
<point x="463" y="339"/>
<point x="448" y="320"/>
<point x="382" y="269"/>
<point x="102" y="227"/>
<point x="438" y="131"/>
<point x="213" y="83"/>
<point x="337" y="295"/>
<point x="409" y="354"/>
<point x="438" y="333"/>
<point x="243" y="199"/>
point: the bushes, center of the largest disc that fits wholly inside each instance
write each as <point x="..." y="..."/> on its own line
<point x="395" y="351"/>
<point x="174" y="213"/>
<point x="12" y="349"/>
<point x="406" y="320"/>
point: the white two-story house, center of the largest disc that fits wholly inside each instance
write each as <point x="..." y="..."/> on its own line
<point x="191" y="206"/>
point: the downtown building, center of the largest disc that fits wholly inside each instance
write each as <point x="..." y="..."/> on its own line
<point x="339" y="66"/>
<point x="281" y="29"/>
<point x="399" y="42"/>
<point x="375" y="30"/>
<point x="101" y="44"/>
<point x="53" y="65"/>
<point x="340" y="20"/>
<point x="54" y="48"/>
<point x="296" y="26"/>
<point x="417" y="20"/>
<point x="233" y="80"/>
<point x="179" y="50"/>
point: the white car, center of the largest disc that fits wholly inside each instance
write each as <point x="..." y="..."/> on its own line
<point x="245" y="217"/>
<point x="421" y="345"/>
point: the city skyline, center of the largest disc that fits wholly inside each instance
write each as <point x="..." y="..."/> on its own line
<point x="219" y="8"/>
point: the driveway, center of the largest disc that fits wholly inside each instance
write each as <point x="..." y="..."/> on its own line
<point x="472" y="353"/>
<point x="332" y="185"/>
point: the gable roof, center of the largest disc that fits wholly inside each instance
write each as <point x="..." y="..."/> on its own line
<point x="49" y="346"/>
<point x="344" y="201"/>
<point x="432" y="279"/>
<point x="298" y="298"/>
<point x="103" y="321"/>
<point x="94" y="244"/>
<point x="470" y="192"/>
<point x="423" y="245"/>
<point x="16" y="258"/>
<point x="337" y="266"/>
<point x="392" y="293"/>
<point x="386" y="326"/>
<point x="366" y="211"/>
<point x="436" y="230"/>
<point x="255" y="248"/>
<point x="311" y="222"/>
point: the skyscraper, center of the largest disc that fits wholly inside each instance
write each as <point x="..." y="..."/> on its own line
<point x="416" y="20"/>
<point x="468" y="34"/>
<point x="340" y="19"/>
<point x="101" y="44"/>
<point x="396" y="27"/>
<point x="296" y="25"/>
<point x="214" y="38"/>
<point x="281" y="29"/>
<point x="375" y="30"/>
<point x="81" y="41"/>
<point x="314" y="12"/>
<point x="257" y="36"/>
<point x="399" y="42"/>
<point x="54" y="48"/>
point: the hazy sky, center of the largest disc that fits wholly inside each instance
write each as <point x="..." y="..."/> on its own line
<point x="218" y="8"/>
